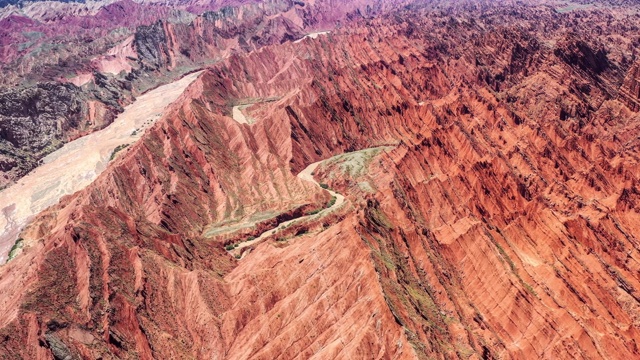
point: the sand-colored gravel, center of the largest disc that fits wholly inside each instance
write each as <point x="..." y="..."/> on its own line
<point x="312" y="35"/>
<point x="238" y="115"/>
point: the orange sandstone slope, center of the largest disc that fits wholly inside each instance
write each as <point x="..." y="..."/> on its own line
<point x="493" y="206"/>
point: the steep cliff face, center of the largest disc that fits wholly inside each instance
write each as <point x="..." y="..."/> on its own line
<point x="538" y="197"/>
<point x="197" y="168"/>
<point x="492" y="206"/>
<point x="630" y="91"/>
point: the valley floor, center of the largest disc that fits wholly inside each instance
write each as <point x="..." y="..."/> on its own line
<point x="78" y="163"/>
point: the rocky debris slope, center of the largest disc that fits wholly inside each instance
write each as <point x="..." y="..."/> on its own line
<point x="500" y="220"/>
<point x="34" y="121"/>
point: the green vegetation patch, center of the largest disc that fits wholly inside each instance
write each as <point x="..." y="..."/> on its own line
<point x="512" y="265"/>
<point x="15" y="249"/>
<point x="573" y="7"/>
<point x="355" y="163"/>
<point x="117" y="150"/>
<point x="32" y="35"/>
<point x="231" y="247"/>
<point x="380" y="218"/>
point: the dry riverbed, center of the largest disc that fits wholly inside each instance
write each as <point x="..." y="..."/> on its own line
<point x="78" y="163"/>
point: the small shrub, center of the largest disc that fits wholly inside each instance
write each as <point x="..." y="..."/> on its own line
<point x="14" y="249"/>
<point x="324" y="186"/>
<point x="117" y="150"/>
<point x="251" y="238"/>
<point x="229" y="247"/>
<point x="331" y="202"/>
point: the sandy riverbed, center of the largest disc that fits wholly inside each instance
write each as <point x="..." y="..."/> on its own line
<point x="78" y="163"/>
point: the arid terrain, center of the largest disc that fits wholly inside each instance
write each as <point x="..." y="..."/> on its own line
<point x="339" y="180"/>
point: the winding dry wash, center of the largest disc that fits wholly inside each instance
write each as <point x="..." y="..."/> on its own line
<point x="306" y="175"/>
<point x="78" y="163"/>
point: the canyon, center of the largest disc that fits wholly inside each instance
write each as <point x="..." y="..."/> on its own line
<point x="79" y="162"/>
<point x="417" y="180"/>
<point x="75" y="66"/>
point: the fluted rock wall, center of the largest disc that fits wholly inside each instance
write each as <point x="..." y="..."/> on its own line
<point x="630" y="90"/>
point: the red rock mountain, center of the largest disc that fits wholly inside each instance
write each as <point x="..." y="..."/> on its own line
<point x="488" y="155"/>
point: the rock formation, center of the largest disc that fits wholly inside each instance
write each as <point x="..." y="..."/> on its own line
<point x="488" y="155"/>
<point x="630" y="90"/>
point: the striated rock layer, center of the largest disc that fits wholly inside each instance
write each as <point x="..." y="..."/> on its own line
<point x="491" y="176"/>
